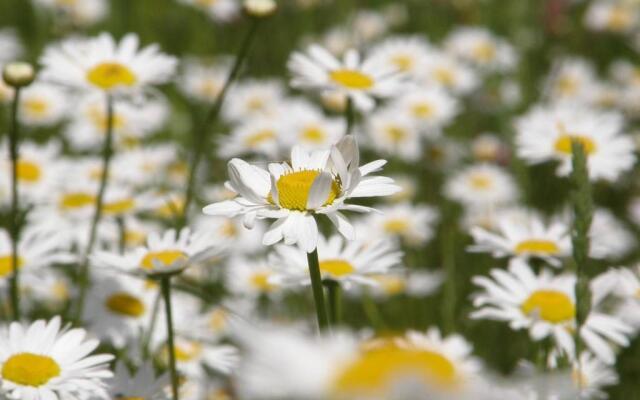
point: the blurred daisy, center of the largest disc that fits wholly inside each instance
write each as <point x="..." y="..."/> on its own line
<point x="102" y="64"/>
<point x="407" y="187"/>
<point x="51" y="291"/>
<point x="251" y="278"/>
<point x="572" y="79"/>
<point x="202" y="82"/>
<point x="395" y="135"/>
<point x="412" y="223"/>
<point x="217" y="10"/>
<point x="143" y="384"/>
<point x="610" y="239"/>
<point x="368" y="25"/>
<point x="314" y="184"/>
<point x="525" y="237"/>
<point x="42" y="104"/>
<point x="430" y="109"/>
<point x="612" y="16"/>
<point x="481" y="48"/>
<point x="170" y="252"/>
<point x="547" y="133"/>
<point x="545" y="305"/>
<point x="254" y="98"/>
<point x="310" y="128"/>
<point x="349" y="263"/>
<point x="42" y="361"/>
<point x="361" y="80"/>
<point x="443" y="70"/>
<point x="481" y="185"/>
<point x="489" y="148"/>
<point x="230" y="230"/>
<point x="192" y="355"/>
<point x="259" y="136"/>
<point x="591" y="376"/>
<point x="77" y="13"/>
<point x="406" y="54"/>
<point x="10" y="46"/>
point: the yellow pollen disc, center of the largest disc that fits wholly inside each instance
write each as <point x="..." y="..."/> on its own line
<point x="336" y="268"/>
<point x="186" y="352"/>
<point x="390" y="284"/>
<point x="28" y="369"/>
<point x="396" y="226"/>
<point x="6" y="265"/>
<point x="76" y="200"/>
<point x="422" y="110"/>
<point x="259" y="138"/>
<point x="480" y="181"/>
<point x="376" y="372"/>
<point x="35" y="107"/>
<point x="549" y="305"/>
<point x="484" y="51"/>
<point x="229" y="229"/>
<point x="404" y="62"/>
<point x="260" y="281"/>
<point x="563" y="144"/>
<point x="313" y="134"/>
<point x="210" y="88"/>
<point x="118" y="207"/>
<point x="619" y="19"/>
<point x="567" y="85"/>
<point x="109" y="75"/>
<point x="164" y="257"/>
<point x="28" y="171"/>
<point x="125" y="304"/>
<point x="134" y="238"/>
<point x="256" y="104"/>
<point x="395" y="133"/>
<point x="351" y="79"/>
<point x="444" y="76"/>
<point x="537" y="246"/>
<point x="293" y="189"/>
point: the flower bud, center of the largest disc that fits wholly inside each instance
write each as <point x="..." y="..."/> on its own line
<point x="18" y="74"/>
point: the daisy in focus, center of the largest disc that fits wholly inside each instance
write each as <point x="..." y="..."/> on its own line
<point x="44" y="361"/>
<point x="315" y="183"/>
<point x="360" y="80"/>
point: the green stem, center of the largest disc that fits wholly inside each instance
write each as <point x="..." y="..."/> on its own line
<point x="372" y="312"/>
<point x="349" y="115"/>
<point x="97" y="214"/>
<point x="582" y="201"/>
<point x="450" y="297"/>
<point x="334" y="293"/>
<point x="165" y="283"/>
<point x="200" y="136"/>
<point x="122" y="230"/>
<point x="318" y="292"/>
<point x="14" y="137"/>
<point x="152" y="326"/>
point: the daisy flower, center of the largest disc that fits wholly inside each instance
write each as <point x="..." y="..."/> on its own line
<point x="430" y="109"/>
<point x="481" y="185"/>
<point x="10" y="46"/>
<point x="413" y="224"/>
<point x="217" y="10"/>
<point x="170" y="252"/>
<point x="251" y="278"/>
<point x="310" y="128"/>
<point x="42" y="104"/>
<point x="315" y="183"/>
<point x="349" y="263"/>
<point x="610" y="239"/>
<point x="201" y="81"/>
<point x="43" y="361"/>
<point x="405" y="54"/>
<point x="78" y="13"/>
<point x="524" y="237"/>
<point x="193" y="354"/>
<point x="612" y="16"/>
<point x="546" y="134"/>
<point x="590" y="376"/>
<point x="445" y="71"/>
<point x="545" y="305"/>
<point x="489" y="148"/>
<point x="254" y="98"/>
<point x="369" y="25"/>
<point x="395" y="135"/>
<point x="143" y="384"/>
<point x="102" y="64"/>
<point x="481" y="48"/>
<point x="572" y="79"/>
<point x="361" y="80"/>
<point x="259" y="136"/>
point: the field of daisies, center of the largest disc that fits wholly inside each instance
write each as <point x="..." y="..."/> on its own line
<point x="319" y="199"/>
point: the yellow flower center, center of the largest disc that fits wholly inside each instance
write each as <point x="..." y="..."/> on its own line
<point x="28" y="171"/>
<point x="484" y="51"/>
<point x="109" y="75"/>
<point x="351" y="79"/>
<point x="396" y="226"/>
<point x="35" y="107"/>
<point x="100" y="120"/>
<point x="567" y="85"/>
<point x="260" y="281"/>
<point x="480" y="181"/>
<point x="134" y="237"/>
<point x="259" y="138"/>
<point x="210" y="88"/>
<point x="256" y="104"/>
<point x="537" y="246"/>
<point x="293" y="189"/>
<point x="218" y="320"/>
<point x="549" y="305"/>
<point x="229" y="229"/>
<point x="125" y="304"/>
<point x="6" y="265"/>
<point x="422" y="110"/>
<point x="28" y="369"/>
<point x="404" y="62"/>
<point x="444" y="76"/>
<point x="119" y="207"/>
<point x="336" y="268"/>
<point x="376" y="372"/>
<point x="76" y="200"/>
<point x="390" y="284"/>
<point x="563" y="144"/>
<point x="395" y="133"/>
<point x="313" y="134"/>
<point x="619" y="18"/>
<point x="164" y="258"/>
<point x="187" y="351"/>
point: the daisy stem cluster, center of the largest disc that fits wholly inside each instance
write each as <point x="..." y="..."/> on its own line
<point x="14" y="222"/>
<point x="318" y="292"/>
<point x="107" y="152"/>
<point x="583" y="215"/>
<point x="200" y="137"/>
<point x="165" y="284"/>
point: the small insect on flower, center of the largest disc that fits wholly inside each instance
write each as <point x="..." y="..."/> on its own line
<point x="44" y="361"/>
<point x="315" y="183"/>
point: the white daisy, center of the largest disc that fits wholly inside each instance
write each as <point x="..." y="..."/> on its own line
<point x="481" y="48"/>
<point x="361" y="80"/>
<point x="546" y="133"/>
<point x="414" y="224"/>
<point x="430" y="109"/>
<point x="444" y="70"/>
<point x="612" y="16"/>
<point x="489" y="148"/>
<point x="571" y="79"/>
<point x="192" y="355"/>
<point x="102" y="64"/>
<point x="315" y="183"/>
<point x="43" y="361"/>
<point x="78" y="12"/>
<point x="310" y="128"/>
<point x="259" y="136"/>
<point x="482" y="185"/>
<point x="610" y="239"/>
<point x="254" y="98"/>
<point x="545" y="305"/>
<point x="42" y="104"/>
<point x="143" y="384"/>
<point x="590" y="376"/>
<point x="394" y="134"/>
<point x="10" y="46"/>
<point x="524" y="237"/>
<point x="249" y="278"/>
<point x="201" y="81"/>
<point x="217" y="10"/>
<point x="406" y="54"/>
<point x="349" y="263"/>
